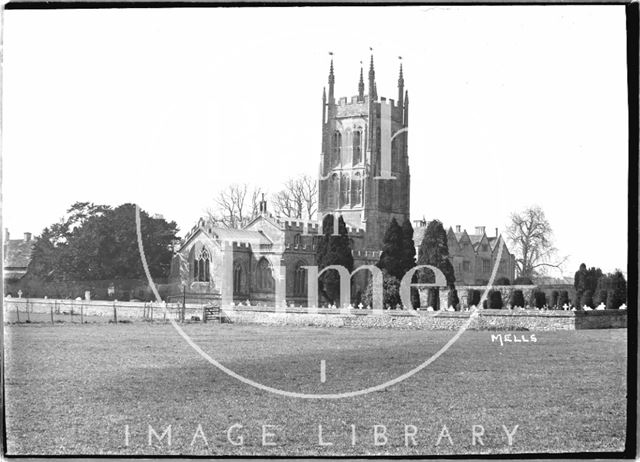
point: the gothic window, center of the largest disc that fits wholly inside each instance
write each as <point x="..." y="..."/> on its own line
<point x="299" y="280"/>
<point x="347" y="146"/>
<point x="333" y="191"/>
<point x="201" y="265"/>
<point x="336" y="143"/>
<point x="466" y="266"/>
<point x="395" y="155"/>
<point x="486" y="265"/>
<point x="238" y="276"/>
<point x="357" y="146"/>
<point x="344" y="190"/>
<point x="264" y="276"/>
<point x="297" y="240"/>
<point x="357" y="189"/>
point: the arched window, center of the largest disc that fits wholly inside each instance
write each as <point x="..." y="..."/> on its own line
<point x="297" y="240"/>
<point x="345" y="188"/>
<point x="357" y="146"/>
<point x="356" y="189"/>
<point x="336" y="144"/>
<point x="264" y="276"/>
<point x="300" y="280"/>
<point x="238" y="276"/>
<point x="333" y="191"/>
<point x="201" y="267"/>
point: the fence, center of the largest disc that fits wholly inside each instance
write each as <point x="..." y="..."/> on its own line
<point x="30" y="310"/>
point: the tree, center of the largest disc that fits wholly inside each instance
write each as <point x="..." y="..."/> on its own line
<point x="297" y="199"/>
<point x="235" y="205"/>
<point x="540" y="299"/>
<point x="409" y="259"/>
<point x="452" y="298"/>
<point x="103" y="244"/>
<point x="530" y="235"/>
<point x="586" y="279"/>
<point x="517" y="299"/>
<point x="495" y="300"/>
<point x="390" y="292"/>
<point x="333" y="250"/>
<point x="392" y="256"/>
<point x="554" y="298"/>
<point x="563" y="299"/>
<point x="503" y="281"/>
<point x="434" y="251"/>
<point x="587" y="299"/>
<point x="522" y="281"/>
<point x="474" y="297"/>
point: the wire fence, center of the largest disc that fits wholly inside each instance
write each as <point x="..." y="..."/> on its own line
<point x="20" y="310"/>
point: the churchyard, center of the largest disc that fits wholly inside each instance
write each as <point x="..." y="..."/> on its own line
<point x="140" y="388"/>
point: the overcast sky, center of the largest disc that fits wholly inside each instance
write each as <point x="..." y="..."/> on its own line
<point x="510" y="107"/>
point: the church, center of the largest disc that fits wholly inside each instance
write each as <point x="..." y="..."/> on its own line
<point x="364" y="177"/>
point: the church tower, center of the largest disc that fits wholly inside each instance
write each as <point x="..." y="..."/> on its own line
<point x="364" y="165"/>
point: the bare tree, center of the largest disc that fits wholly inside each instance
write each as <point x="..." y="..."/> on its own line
<point x="235" y="205"/>
<point x="298" y="198"/>
<point x="530" y="235"/>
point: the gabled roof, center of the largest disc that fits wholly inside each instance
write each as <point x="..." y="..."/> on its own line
<point x="17" y="253"/>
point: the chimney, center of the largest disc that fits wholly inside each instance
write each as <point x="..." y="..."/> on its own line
<point x="457" y="228"/>
<point x="479" y="229"/>
<point x="27" y="237"/>
<point x="496" y="232"/>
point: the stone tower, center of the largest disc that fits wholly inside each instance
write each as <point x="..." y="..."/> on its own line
<point x="364" y="165"/>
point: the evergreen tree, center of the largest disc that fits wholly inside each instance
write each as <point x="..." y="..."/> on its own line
<point x="333" y="250"/>
<point x="563" y="299"/>
<point x="434" y="251"/>
<point x="393" y="251"/>
<point x="452" y="298"/>
<point x="517" y="299"/>
<point x="408" y="247"/>
<point x="97" y="243"/>
<point x="495" y="300"/>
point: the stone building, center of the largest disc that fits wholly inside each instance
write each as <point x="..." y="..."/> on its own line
<point x="17" y="256"/>
<point x="363" y="176"/>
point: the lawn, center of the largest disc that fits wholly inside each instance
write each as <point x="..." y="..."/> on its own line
<point x="76" y="389"/>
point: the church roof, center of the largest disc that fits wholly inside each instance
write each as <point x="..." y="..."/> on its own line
<point x="239" y="235"/>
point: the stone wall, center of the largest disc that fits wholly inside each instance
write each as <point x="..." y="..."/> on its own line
<point x="533" y="320"/>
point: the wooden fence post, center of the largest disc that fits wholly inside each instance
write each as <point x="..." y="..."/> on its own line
<point x="204" y="313"/>
<point x="82" y="314"/>
<point x="152" y="311"/>
<point x="115" y="314"/>
<point x="18" y="311"/>
<point x="51" y="311"/>
<point x="28" y="315"/>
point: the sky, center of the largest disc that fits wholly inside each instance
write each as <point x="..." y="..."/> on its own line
<point x="510" y="106"/>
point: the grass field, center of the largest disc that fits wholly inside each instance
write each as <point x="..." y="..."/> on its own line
<point x="73" y="389"/>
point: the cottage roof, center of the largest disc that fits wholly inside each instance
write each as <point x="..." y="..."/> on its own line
<point x="17" y="253"/>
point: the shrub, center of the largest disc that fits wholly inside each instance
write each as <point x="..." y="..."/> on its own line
<point x="554" y="298"/>
<point x="473" y="297"/>
<point x="523" y="281"/>
<point x="452" y="299"/>
<point x="390" y="294"/>
<point x="532" y="298"/>
<point x="600" y="296"/>
<point x="495" y="300"/>
<point x="503" y="281"/>
<point x="517" y="299"/>
<point x="563" y="298"/>
<point x="484" y="304"/>
<point x="587" y="299"/>
<point x="540" y="298"/>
